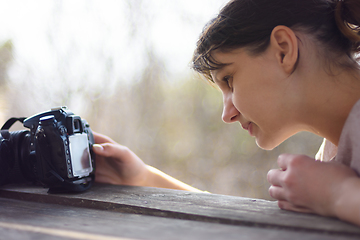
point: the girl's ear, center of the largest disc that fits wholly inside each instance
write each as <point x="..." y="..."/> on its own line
<point x="285" y="44"/>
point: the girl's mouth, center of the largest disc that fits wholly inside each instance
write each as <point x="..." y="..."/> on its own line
<point x="248" y="127"/>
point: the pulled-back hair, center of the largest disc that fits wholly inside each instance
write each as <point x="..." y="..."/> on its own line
<point x="249" y="23"/>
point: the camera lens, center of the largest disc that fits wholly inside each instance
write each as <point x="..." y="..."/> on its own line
<point x="15" y="164"/>
<point x="5" y="163"/>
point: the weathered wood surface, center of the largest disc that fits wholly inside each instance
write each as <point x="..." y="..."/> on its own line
<point x="30" y="220"/>
<point x="151" y="213"/>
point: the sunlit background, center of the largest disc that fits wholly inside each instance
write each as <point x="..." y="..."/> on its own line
<point x="123" y="65"/>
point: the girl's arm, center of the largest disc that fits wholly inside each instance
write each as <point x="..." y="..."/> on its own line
<point x="116" y="164"/>
<point x="326" y="188"/>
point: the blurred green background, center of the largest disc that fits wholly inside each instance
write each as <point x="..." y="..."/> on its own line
<point x="124" y="67"/>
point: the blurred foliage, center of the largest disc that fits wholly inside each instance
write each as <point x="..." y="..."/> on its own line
<point x="6" y="57"/>
<point x="172" y="124"/>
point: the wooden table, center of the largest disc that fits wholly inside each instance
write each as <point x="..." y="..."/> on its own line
<point x="124" y="212"/>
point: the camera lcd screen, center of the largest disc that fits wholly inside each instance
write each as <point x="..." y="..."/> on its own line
<point x="80" y="155"/>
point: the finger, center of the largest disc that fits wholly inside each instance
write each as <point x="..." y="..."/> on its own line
<point x="283" y="160"/>
<point x="274" y="176"/>
<point x="283" y="204"/>
<point x="277" y="192"/>
<point x="98" y="148"/>
<point x="113" y="150"/>
<point x="100" y="138"/>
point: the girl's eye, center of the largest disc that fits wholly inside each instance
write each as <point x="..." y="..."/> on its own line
<point x="228" y="81"/>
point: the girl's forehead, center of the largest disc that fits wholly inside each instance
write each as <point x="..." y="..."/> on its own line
<point x="223" y="55"/>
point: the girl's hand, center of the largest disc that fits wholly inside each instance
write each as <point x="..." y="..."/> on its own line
<point x="305" y="185"/>
<point x="116" y="164"/>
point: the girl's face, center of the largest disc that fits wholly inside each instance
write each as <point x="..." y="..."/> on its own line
<point x="258" y="94"/>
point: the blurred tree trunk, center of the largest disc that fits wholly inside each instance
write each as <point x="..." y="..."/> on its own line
<point x="6" y="57"/>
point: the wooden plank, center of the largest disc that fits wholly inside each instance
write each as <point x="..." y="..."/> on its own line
<point x="185" y="205"/>
<point x="38" y="232"/>
<point x="31" y="220"/>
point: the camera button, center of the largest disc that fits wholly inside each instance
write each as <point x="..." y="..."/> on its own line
<point x="62" y="130"/>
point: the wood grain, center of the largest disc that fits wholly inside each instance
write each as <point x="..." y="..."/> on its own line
<point x="24" y="220"/>
<point x="187" y="206"/>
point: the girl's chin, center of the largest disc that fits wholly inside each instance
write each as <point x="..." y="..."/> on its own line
<point x="266" y="145"/>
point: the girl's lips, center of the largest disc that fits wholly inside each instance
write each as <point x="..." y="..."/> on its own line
<point x="248" y="127"/>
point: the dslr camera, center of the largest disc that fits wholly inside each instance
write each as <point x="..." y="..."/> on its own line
<point x="56" y="152"/>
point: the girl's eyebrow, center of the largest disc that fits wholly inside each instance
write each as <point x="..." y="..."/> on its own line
<point x="215" y="73"/>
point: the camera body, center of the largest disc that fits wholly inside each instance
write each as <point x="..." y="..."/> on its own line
<point x="55" y="151"/>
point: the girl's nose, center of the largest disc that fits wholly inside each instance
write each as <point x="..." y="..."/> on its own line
<point x="230" y="113"/>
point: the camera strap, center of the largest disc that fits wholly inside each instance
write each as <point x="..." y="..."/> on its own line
<point x="10" y="122"/>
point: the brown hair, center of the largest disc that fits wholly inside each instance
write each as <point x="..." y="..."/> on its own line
<point x="249" y="23"/>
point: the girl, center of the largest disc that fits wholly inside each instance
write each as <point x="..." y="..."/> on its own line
<point x="283" y="67"/>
